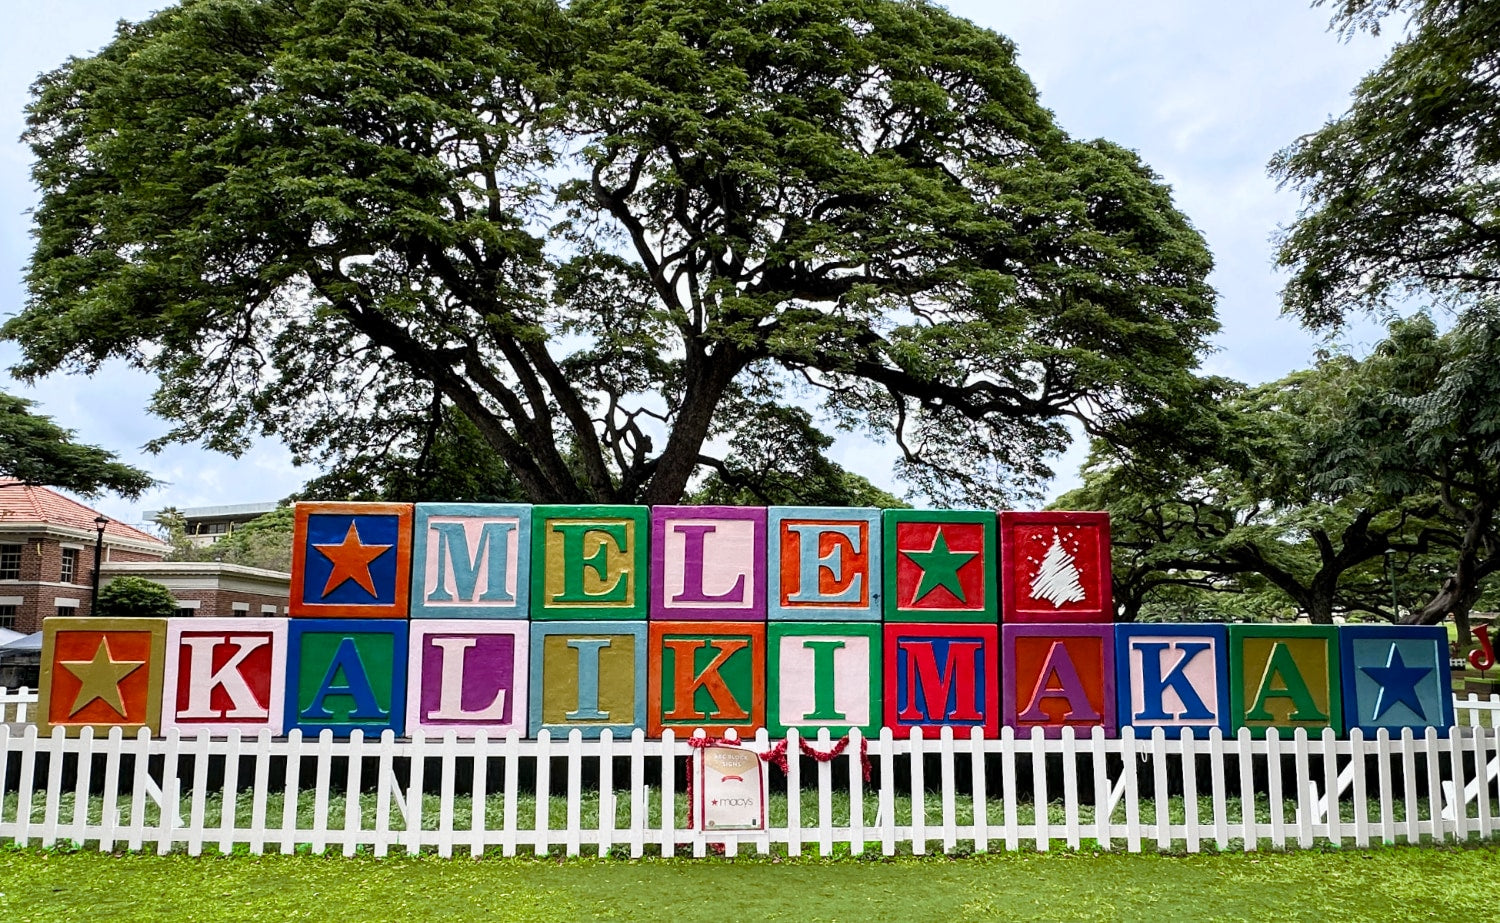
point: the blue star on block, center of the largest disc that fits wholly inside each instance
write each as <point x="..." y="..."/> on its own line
<point x="1396" y="677"/>
<point x="1398" y="684"/>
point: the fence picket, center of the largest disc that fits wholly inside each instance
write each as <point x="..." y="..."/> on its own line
<point x="198" y="750"/>
<point x="945" y="771"/>
<point x="1431" y="750"/>
<point x="169" y="801"/>
<point x="885" y="812"/>
<point x="1249" y="829"/>
<point x="979" y="790"/>
<point x="109" y="815"/>
<point x="478" y="821"/>
<point x="1161" y="805"/>
<point x="1273" y="788"/>
<point x="825" y="796"/>
<point x="385" y="779"/>
<point x="793" y="794"/>
<point x="137" y="788"/>
<point x="1306" y="801"/>
<point x="1383" y="773"/>
<point x="918" y="792"/>
<point x="1008" y="785"/>
<point x="1456" y="750"/>
<point x="1070" y="787"/>
<point x="1217" y="786"/>
<point x="1130" y="769"/>
<point x="1481" y="775"/>
<point x="85" y="766"/>
<point x="857" y="747"/>
<point x="1409" y="786"/>
<point x="1361" y="764"/>
<point x="639" y="812"/>
<point x="668" y="793"/>
<point x="1330" y="800"/>
<point x="52" y="800"/>
<point x="353" y="772"/>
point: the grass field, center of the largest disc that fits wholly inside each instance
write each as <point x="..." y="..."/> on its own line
<point x="1383" y="884"/>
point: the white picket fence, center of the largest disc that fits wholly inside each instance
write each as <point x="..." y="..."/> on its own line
<point x="944" y="792"/>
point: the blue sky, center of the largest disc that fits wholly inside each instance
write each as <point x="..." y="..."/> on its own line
<point x="1205" y="91"/>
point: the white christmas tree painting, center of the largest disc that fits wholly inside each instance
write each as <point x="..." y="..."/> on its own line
<point x="1056" y="578"/>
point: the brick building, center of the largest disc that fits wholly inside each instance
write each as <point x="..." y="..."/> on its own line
<point x="210" y="588"/>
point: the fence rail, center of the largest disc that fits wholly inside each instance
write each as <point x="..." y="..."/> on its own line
<point x="626" y="796"/>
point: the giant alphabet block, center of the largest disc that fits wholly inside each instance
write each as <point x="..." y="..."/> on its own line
<point x="939" y="566"/>
<point x="344" y="674"/>
<point x="471" y="561"/>
<point x="1055" y="568"/>
<point x="1174" y="677"/>
<point x="823" y="564"/>
<point x="1396" y="677"/>
<point x="225" y="674"/>
<point x="588" y="675"/>
<point x="101" y="673"/>
<point x="1058" y="676"/>
<point x="706" y="674"/>
<point x="589" y="562"/>
<point x="467" y="676"/>
<point x="708" y="562"/>
<point x="939" y="675"/>
<point x="1285" y="677"/>
<point x="824" y="674"/>
<point x="351" y="560"/>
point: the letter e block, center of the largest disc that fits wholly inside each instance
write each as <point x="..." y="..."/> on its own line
<point x="1174" y="677"/>
<point x="589" y="562"/>
<point x="471" y="561"/>
<point x="1286" y="677"/>
<point x="225" y="674"/>
<point x="1059" y="676"/>
<point x="467" y="676"/>
<point x="351" y="560"/>
<point x="939" y="566"/>
<point x="1396" y="677"/>
<point x="824" y="674"/>
<point x="101" y="673"/>
<point x="588" y="675"/>
<point x="344" y="674"/>
<point x="708" y="562"/>
<point x="942" y="675"/>
<point x="707" y="674"/>
<point x="823" y="564"/>
<point x="1055" y="568"/>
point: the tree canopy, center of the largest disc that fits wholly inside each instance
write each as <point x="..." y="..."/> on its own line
<point x="135" y="598"/>
<point x="35" y="450"/>
<point x="622" y="238"/>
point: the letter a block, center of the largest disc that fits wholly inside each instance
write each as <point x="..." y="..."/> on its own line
<point x="467" y="676"/>
<point x="823" y="564"/>
<point x="824" y="675"/>
<point x="351" y="560"/>
<point x="588" y="675"/>
<point x="471" y="561"/>
<point x="939" y="566"/>
<point x="101" y="673"/>
<point x="1284" y="676"/>
<point x="589" y="562"/>
<point x="708" y="562"/>
<point x="1174" y="677"/>
<point x="1396" y="677"/>
<point x="1055" y="568"/>
<point x="942" y="676"/>
<point x="346" y="674"/>
<point x="1059" y="676"/>
<point x="225" y="674"/>
<point x="707" y="674"/>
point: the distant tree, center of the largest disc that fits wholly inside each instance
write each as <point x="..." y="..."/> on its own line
<point x="264" y="542"/>
<point x="136" y="597"/>
<point x="35" y="450"/>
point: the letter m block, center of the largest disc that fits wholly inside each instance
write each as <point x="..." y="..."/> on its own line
<point x="471" y="561"/>
<point x="707" y="674"/>
<point x="225" y="674"/>
<point x="942" y="675"/>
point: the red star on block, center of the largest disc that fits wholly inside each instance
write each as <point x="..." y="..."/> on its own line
<point x="351" y="561"/>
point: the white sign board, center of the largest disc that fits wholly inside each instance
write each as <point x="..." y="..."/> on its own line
<point x="731" y="789"/>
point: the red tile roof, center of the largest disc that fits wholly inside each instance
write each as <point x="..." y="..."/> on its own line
<point x="27" y="503"/>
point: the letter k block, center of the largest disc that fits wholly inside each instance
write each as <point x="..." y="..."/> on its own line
<point x="709" y="675"/>
<point x="1174" y="677"/>
<point x="225" y="674"/>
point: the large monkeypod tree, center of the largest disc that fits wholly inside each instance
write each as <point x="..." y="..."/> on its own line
<point x="611" y="234"/>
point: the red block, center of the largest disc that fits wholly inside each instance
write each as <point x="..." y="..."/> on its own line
<point x="1055" y="568"/>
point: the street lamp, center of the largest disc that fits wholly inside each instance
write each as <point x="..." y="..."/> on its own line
<point x="100" y="522"/>
<point x="1390" y="573"/>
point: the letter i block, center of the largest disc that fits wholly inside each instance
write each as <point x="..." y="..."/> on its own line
<point x="101" y="673"/>
<point x="346" y="674"/>
<point x="708" y="562"/>
<point x="823" y="564"/>
<point x="1174" y="677"/>
<point x="939" y="566"/>
<point x="1059" y="676"/>
<point x="942" y="675"/>
<point x="1055" y="568"/>
<point x="709" y="675"/>
<point x="588" y="675"/>
<point x="589" y="562"/>
<point x="351" y="560"/>
<point x="471" y="561"/>
<point x="1396" y="677"/>
<point x="467" y="676"/>
<point x="824" y="675"/>
<point x="225" y="674"/>
<point x="1284" y="676"/>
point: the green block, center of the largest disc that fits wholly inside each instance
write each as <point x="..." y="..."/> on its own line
<point x="940" y="566"/>
<point x="824" y="674"/>
<point x="1285" y="677"/>
<point x="589" y="562"/>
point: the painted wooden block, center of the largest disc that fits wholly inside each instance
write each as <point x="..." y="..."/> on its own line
<point x="939" y="566"/>
<point x="589" y="562"/>
<point x="1058" y="676"/>
<point x="824" y="674"/>
<point x="708" y="562"/>
<point x="823" y="564"/>
<point x="471" y="561"/>
<point x="101" y="673"/>
<point x="1396" y="677"/>
<point x="706" y="674"/>
<point x="466" y="675"/>
<point x="940" y="675"/>
<point x="1174" y="677"/>
<point x="588" y="675"/>
<point x="344" y="674"/>
<point x="1055" y="568"/>
<point x="351" y="560"/>
<point x="225" y="674"/>
<point x="1284" y="676"/>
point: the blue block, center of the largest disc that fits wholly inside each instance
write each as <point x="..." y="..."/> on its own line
<point x="1396" y="677"/>
<point x="1174" y="677"/>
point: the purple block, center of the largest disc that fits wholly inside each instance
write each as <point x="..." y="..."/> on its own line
<point x="1057" y="676"/>
<point x="467" y="676"/>
<point x="708" y="562"/>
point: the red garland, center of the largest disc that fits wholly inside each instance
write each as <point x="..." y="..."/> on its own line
<point x="777" y="756"/>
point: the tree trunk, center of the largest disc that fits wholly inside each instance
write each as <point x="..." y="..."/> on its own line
<point x="1465" y="633"/>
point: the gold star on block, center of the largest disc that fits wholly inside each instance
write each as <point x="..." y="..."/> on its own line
<point x="101" y="678"/>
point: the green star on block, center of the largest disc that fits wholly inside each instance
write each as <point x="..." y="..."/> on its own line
<point x="940" y="568"/>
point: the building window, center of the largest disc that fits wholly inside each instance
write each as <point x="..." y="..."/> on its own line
<point x="7" y="616"/>
<point x="69" y="565"/>
<point x="10" y="562"/>
<point x="67" y="611"/>
<point x="187" y="612"/>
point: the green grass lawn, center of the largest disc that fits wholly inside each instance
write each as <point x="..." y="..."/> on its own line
<point x="1383" y="884"/>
